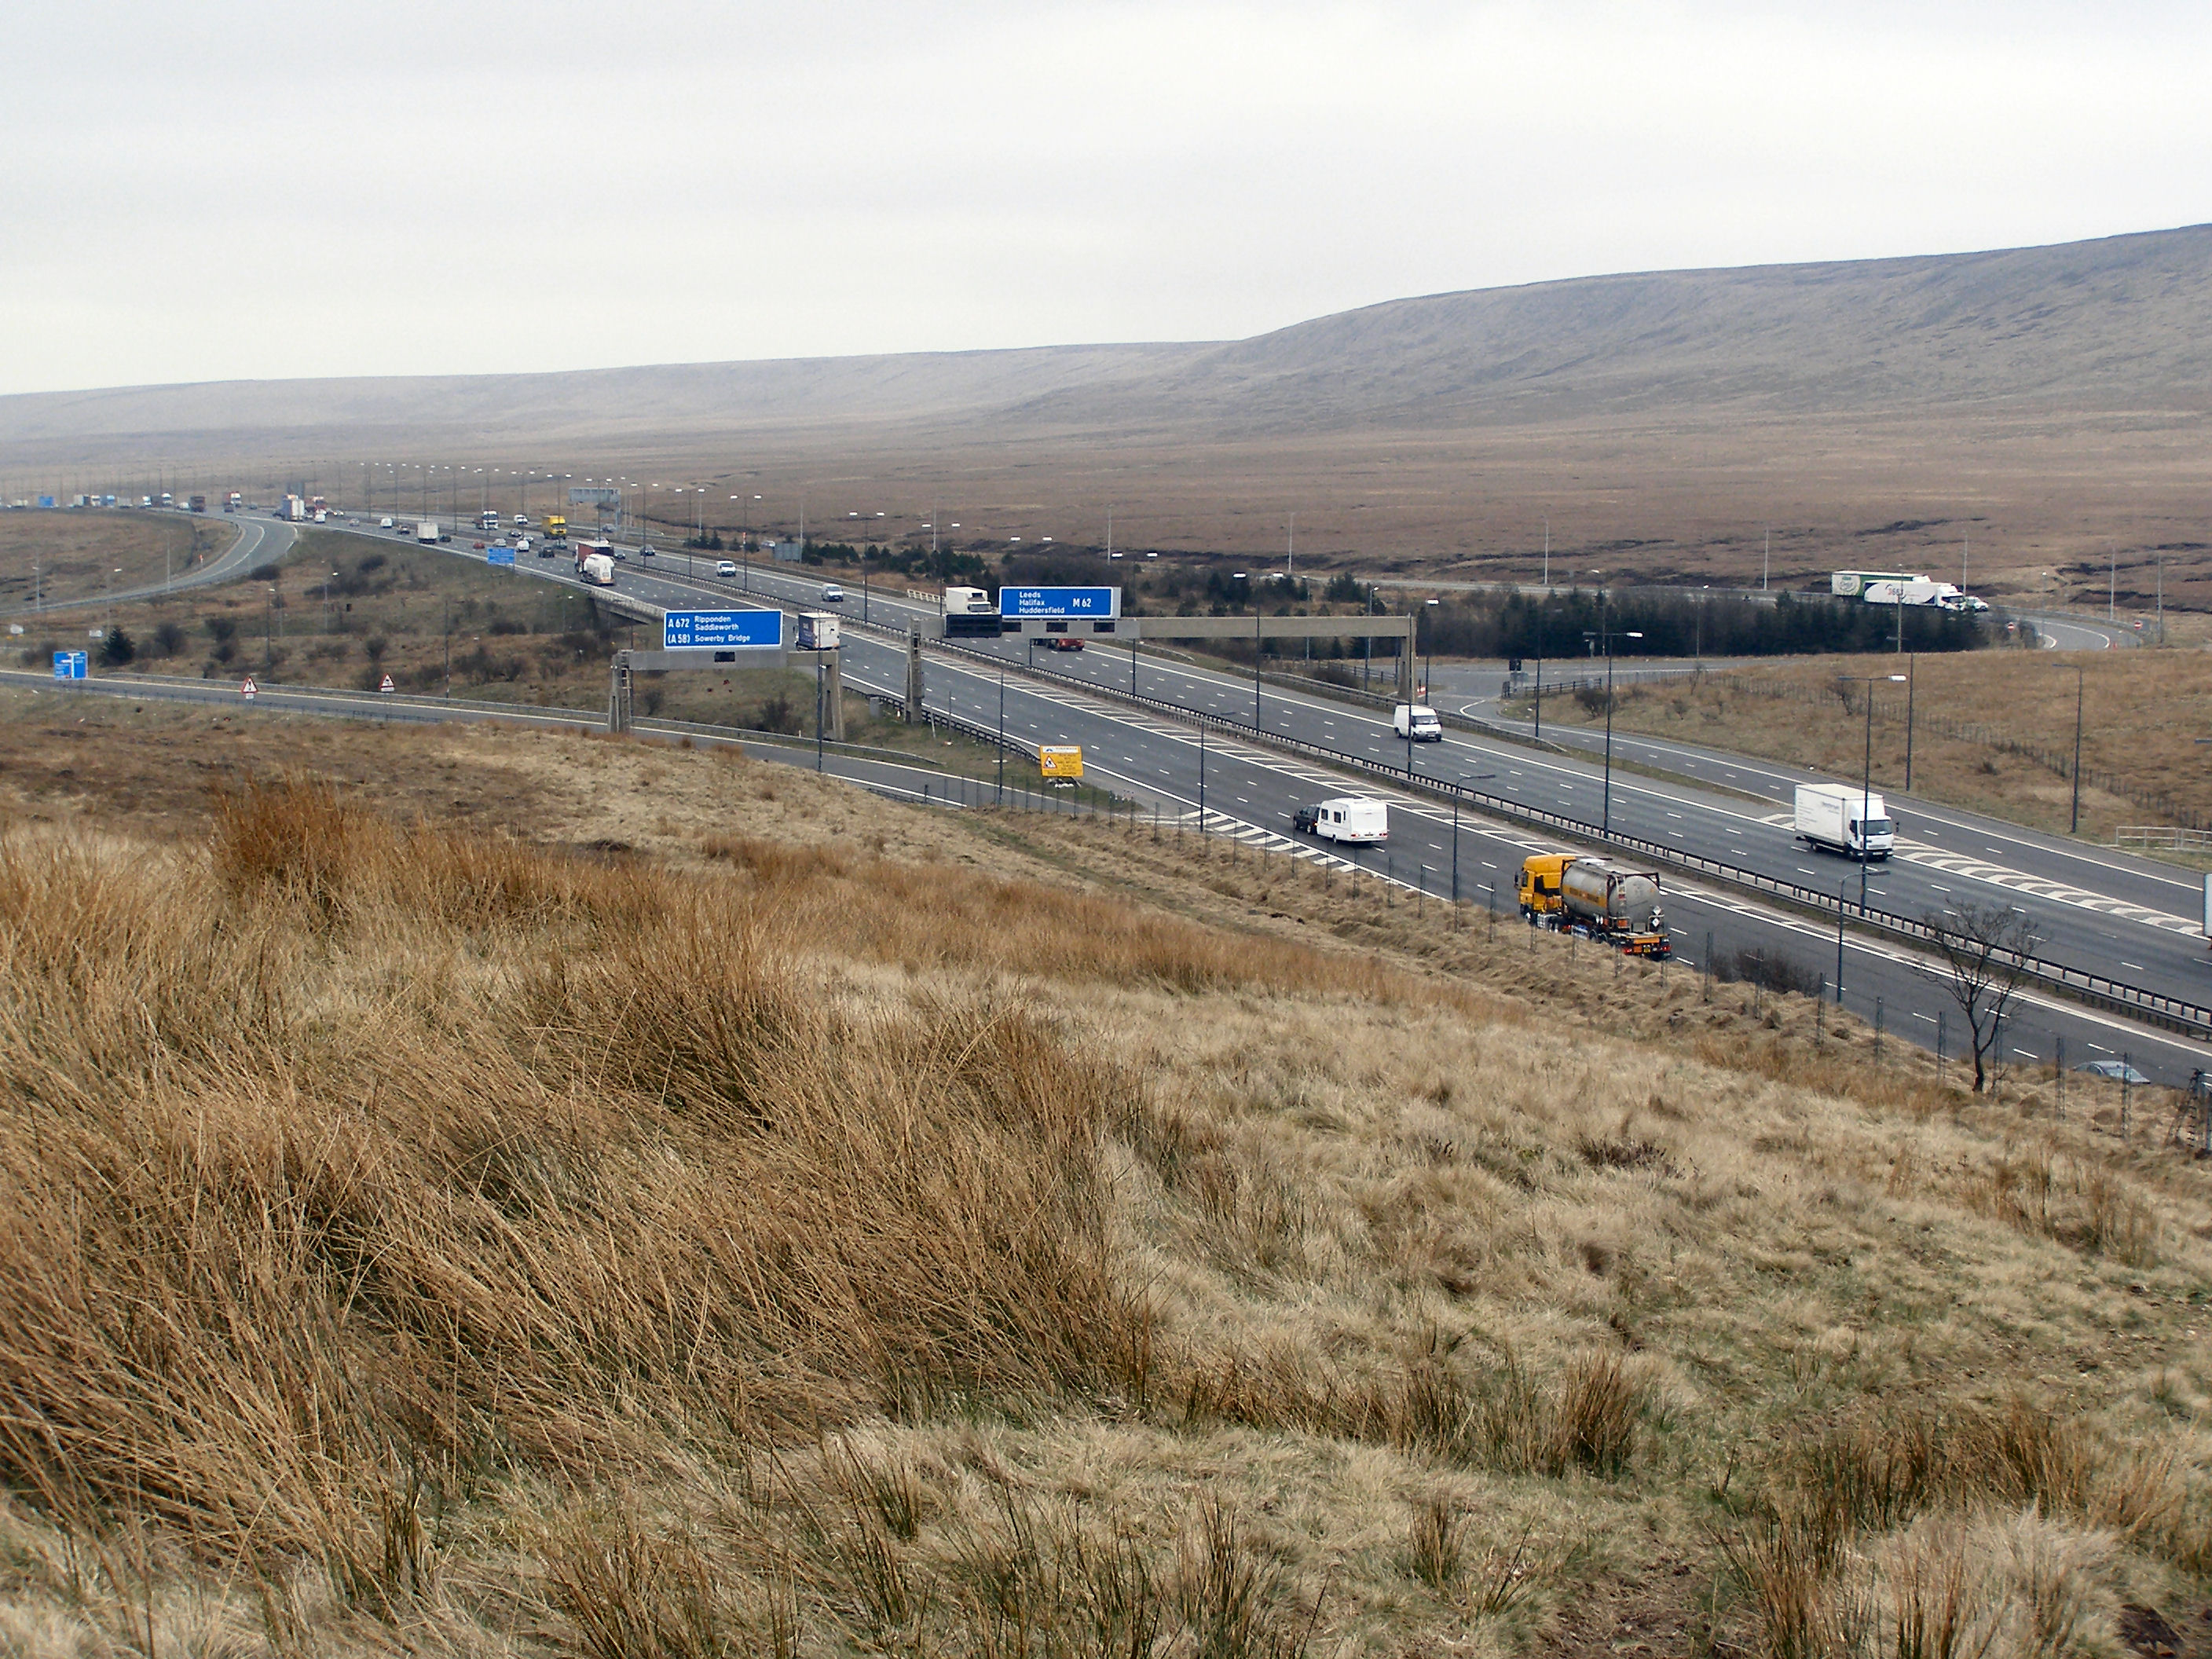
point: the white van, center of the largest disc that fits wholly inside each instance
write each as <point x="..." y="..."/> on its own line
<point x="1418" y="722"/>
<point x="1348" y="818"/>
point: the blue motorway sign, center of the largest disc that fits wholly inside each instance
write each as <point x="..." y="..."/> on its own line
<point x="722" y="630"/>
<point x="45" y="501"/>
<point x="1056" y="601"/>
<point x="69" y="664"/>
<point x="499" y="555"/>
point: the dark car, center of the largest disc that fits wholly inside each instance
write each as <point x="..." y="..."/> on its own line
<point x="1304" y="820"/>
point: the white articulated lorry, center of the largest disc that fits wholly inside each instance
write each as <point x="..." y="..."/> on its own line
<point x="597" y="569"/>
<point x="1842" y="819"/>
<point x="970" y="614"/>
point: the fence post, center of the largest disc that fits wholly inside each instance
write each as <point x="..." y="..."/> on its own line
<point x="1942" y="1030"/>
<point x="2058" y="1073"/>
<point x="2127" y="1093"/>
<point x="1877" y="1028"/>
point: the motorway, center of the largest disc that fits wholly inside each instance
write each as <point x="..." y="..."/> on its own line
<point x="2128" y="919"/>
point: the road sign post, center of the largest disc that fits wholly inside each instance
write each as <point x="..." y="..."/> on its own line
<point x="71" y="665"/>
<point x="1061" y="761"/>
<point x="247" y="688"/>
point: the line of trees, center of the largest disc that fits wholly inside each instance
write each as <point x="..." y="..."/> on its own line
<point x="1572" y="623"/>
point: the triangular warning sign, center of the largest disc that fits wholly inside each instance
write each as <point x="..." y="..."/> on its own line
<point x="249" y="688"/>
<point x="388" y="685"/>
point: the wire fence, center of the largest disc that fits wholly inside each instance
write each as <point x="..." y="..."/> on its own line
<point x="1895" y="711"/>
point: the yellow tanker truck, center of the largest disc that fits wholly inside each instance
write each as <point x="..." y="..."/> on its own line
<point x="1567" y="892"/>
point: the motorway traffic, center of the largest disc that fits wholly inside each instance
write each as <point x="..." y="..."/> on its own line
<point x="2125" y="918"/>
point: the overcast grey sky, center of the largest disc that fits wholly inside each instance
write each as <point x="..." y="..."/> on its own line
<point x="246" y="188"/>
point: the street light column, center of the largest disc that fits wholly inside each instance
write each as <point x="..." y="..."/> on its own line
<point x="2074" y="826"/>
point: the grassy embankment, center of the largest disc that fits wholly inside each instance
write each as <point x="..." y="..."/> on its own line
<point x="79" y="554"/>
<point x="2142" y="712"/>
<point x="425" y="617"/>
<point x="880" y="1230"/>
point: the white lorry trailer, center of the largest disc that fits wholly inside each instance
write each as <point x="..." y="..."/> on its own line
<point x="1349" y="819"/>
<point x="427" y="531"/>
<point x="1842" y="819"/>
<point x="970" y="614"/>
<point x="1919" y="591"/>
<point x="597" y="569"/>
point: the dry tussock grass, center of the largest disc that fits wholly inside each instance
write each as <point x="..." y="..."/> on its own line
<point x="435" y="1242"/>
<point x="2025" y="697"/>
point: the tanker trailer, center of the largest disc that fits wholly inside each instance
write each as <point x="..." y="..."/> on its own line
<point x="1593" y="898"/>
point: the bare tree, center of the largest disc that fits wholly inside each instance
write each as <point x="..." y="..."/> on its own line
<point x="1984" y="951"/>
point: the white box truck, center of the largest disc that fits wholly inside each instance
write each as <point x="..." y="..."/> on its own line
<point x="1417" y="721"/>
<point x="427" y="531"/>
<point x="817" y="630"/>
<point x="597" y="569"/>
<point x="1347" y="818"/>
<point x="1844" y="819"/>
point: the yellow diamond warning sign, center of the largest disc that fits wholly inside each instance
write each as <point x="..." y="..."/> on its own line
<point x="1061" y="760"/>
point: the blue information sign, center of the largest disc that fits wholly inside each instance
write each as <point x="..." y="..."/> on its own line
<point x="499" y="555"/>
<point x="45" y="501"/>
<point x="69" y="664"/>
<point x="722" y="630"/>
<point x="1056" y="602"/>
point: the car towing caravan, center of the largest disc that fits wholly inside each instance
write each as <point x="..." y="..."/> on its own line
<point x="1349" y="819"/>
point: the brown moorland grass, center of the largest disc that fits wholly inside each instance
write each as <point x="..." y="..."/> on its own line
<point x="449" y="1243"/>
<point x="2140" y="712"/>
<point x="77" y="553"/>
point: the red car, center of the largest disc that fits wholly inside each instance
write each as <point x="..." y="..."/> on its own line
<point x="1061" y="642"/>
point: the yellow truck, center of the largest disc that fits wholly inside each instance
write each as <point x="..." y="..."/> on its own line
<point x="1567" y="892"/>
<point x="556" y="528"/>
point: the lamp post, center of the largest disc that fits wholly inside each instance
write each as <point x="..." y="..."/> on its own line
<point x="1543" y="600"/>
<point x="1843" y="890"/>
<point x="1605" y="634"/>
<point x="1367" y="673"/>
<point x="1866" y="777"/>
<point x="1002" y="733"/>
<point x="2074" y="824"/>
<point x="1911" y="666"/>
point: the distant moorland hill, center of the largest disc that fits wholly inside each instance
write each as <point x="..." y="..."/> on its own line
<point x="2049" y="402"/>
